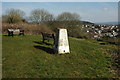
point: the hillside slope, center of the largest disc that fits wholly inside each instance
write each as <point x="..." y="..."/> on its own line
<point x="26" y="57"/>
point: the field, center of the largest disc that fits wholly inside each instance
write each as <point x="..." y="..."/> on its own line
<point x="27" y="57"/>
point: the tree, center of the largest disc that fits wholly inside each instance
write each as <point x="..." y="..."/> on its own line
<point x="4" y="18"/>
<point x="40" y="16"/>
<point x="14" y="15"/>
<point x="66" y="16"/>
<point x="72" y="22"/>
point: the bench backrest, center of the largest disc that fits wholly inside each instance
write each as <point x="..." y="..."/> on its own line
<point x="14" y="30"/>
<point x="47" y="36"/>
<point x="11" y="32"/>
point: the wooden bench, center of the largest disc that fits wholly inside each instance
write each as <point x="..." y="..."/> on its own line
<point x="47" y="37"/>
<point x="11" y="32"/>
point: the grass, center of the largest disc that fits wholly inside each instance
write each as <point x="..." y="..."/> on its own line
<point x="26" y="57"/>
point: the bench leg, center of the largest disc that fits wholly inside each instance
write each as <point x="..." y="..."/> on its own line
<point x="21" y="34"/>
<point x="43" y="40"/>
<point x="12" y="34"/>
<point x="48" y="40"/>
<point x="8" y="34"/>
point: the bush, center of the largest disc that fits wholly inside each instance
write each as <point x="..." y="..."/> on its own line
<point x="73" y="27"/>
<point x="111" y="40"/>
<point x="29" y="28"/>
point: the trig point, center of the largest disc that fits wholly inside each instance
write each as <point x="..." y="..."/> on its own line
<point x="61" y="41"/>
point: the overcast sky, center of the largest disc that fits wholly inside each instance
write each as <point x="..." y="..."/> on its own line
<point x="96" y="12"/>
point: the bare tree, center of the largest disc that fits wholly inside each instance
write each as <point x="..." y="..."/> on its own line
<point x="40" y="16"/>
<point x="14" y="15"/>
<point x="67" y="16"/>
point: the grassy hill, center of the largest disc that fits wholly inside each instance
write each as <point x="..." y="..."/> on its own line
<point x="26" y="57"/>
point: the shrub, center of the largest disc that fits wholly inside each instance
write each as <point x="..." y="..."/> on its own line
<point x="29" y="28"/>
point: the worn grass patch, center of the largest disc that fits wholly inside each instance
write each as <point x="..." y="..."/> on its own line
<point x="26" y="57"/>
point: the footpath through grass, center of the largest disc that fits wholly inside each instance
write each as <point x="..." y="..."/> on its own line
<point x="26" y="57"/>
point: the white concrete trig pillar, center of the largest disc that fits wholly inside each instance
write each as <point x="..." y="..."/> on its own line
<point x="61" y="42"/>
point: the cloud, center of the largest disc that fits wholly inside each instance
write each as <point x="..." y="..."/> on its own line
<point x="105" y="9"/>
<point x="95" y="12"/>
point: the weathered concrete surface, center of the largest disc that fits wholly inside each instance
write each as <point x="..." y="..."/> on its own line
<point x="61" y="43"/>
